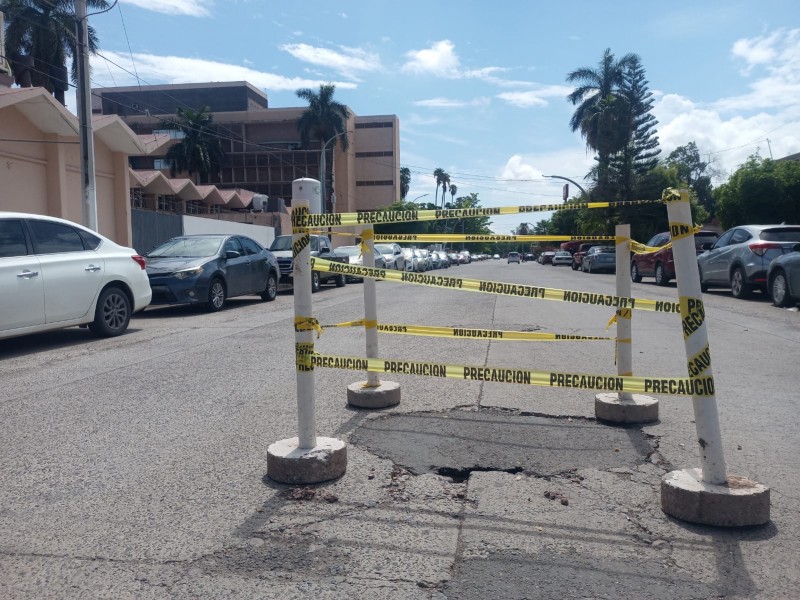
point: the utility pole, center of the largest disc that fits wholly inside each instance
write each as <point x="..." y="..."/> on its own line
<point x="83" y="95"/>
<point x="770" y="148"/>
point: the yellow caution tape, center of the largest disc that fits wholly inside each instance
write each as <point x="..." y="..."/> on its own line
<point x="456" y="237"/>
<point x="673" y="195"/>
<point x="499" y="288"/>
<point x="699" y="363"/>
<point x="307" y="324"/>
<point x="304" y="221"/>
<point x="681" y="230"/>
<point x="366" y="235"/>
<point x="693" y="315"/>
<point x="302" y="354"/>
<point x="300" y="243"/>
<point x="682" y="386"/>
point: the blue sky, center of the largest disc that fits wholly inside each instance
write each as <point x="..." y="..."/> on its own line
<point x="479" y="87"/>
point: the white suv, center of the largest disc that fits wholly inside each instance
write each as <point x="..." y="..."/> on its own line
<point x="56" y="274"/>
<point x="513" y="257"/>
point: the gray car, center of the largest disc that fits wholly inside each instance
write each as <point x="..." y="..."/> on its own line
<point x="739" y="259"/>
<point x="783" y="278"/>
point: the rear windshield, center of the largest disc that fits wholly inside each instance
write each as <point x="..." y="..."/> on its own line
<point x="781" y="234"/>
<point x="199" y="247"/>
<point x="349" y="250"/>
<point x="284" y="242"/>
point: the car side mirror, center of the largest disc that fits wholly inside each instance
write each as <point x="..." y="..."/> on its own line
<point x="229" y="254"/>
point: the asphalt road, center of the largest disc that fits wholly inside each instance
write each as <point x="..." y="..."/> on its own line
<point x="135" y="467"/>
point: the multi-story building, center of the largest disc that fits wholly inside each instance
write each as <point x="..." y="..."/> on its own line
<point x="262" y="144"/>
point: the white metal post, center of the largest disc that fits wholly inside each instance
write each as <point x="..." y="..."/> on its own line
<point x="695" y="336"/>
<point x="370" y="303"/>
<point x="302" y="192"/>
<point x="623" y="257"/>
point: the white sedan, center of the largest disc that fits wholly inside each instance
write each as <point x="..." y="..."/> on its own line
<point x="56" y="274"/>
<point x="562" y="257"/>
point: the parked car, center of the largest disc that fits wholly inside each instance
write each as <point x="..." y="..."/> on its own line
<point x="444" y="261"/>
<point x="529" y="257"/>
<point x="281" y="247"/>
<point x="354" y="256"/>
<point x="546" y="258"/>
<point x="740" y="258"/>
<point x="411" y="261"/>
<point x="56" y="274"/>
<point x="660" y="263"/>
<point x="600" y="258"/>
<point x="562" y="257"/>
<point x="783" y="278"/>
<point x="577" y="256"/>
<point x="513" y="257"/>
<point x="453" y="257"/>
<point x="393" y="255"/>
<point x="433" y="259"/>
<point x="210" y="268"/>
<point x="464" y="258"/>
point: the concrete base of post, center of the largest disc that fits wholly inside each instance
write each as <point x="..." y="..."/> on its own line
<point x="739" y="502"/>
<point x="385" y="395"/>
<point x="288" y="463"/>
<point x="637" y="409"/>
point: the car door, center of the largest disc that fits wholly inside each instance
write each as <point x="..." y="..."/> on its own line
<point x="72" y="273"/>
<point x="647" y="260"/>
<point x="259" y="266"/>
<point x="21" y="281"/>
<point x="722" y="260"/>
<point x="237" y="270"/>
<point x="710" y="262"/>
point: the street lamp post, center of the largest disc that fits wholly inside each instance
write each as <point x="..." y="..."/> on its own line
<point x="583" y="191"/>
<point x="422" y="196"/>
<point x="322" y="167"/>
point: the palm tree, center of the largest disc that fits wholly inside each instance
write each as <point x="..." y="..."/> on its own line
<point x="438" y="174"/>
<point x="199" y="153"/>
<point x="602" y="114"/>
<point x="405" y="182"/>
<point x="453" y="190"/>
<point x="445" y="184"/>
<point x="40" y="35"/>
<point x="324" y="120"/>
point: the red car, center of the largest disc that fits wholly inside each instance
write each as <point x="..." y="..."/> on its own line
<point x="660" y="264"/>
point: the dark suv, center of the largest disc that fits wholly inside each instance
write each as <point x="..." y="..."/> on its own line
<point x="660" y="264"/>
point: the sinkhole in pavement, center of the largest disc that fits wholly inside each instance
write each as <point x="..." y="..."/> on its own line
<point x="457" y="442"/>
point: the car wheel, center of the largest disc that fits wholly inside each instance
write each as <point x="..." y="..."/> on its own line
<point x="315" y="282"/>
<point x="780" y="290"/>
<point x="635" y="275"/>
<point x="271" y="291"/>
<point x="574" y="266"/>
<point x="661" y="275"/>
<point x="216" y="295"/>
<point x="739" y="287"/>
<point x="113" y="313"/>
<point x="340" y="281"/>
<point x="703" y="285"/>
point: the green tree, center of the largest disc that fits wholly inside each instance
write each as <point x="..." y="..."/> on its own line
<point x="445" y="185"/>
<point x="694" y="172"/>
<point x="199" y="153"/>
<point x="44" y="30"/>
<point x="760" y="191"/>
<point x="324" y="119"/>
<point x="640" y="154"/>
<point x="602" y="115"/>
<point x="405" y="182"/>
<point x="453" y="190"/>
<point x="438" y="175"/>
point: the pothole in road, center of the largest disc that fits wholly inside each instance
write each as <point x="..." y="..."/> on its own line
<point x="456" y="443"/>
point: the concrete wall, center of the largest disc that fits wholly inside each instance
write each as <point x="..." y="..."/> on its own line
<point x="263" y="235"/>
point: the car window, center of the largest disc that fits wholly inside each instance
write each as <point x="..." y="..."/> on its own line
<point x="250" y="247"/>
<point x="90" y="241"/>
<point x="724" y="240"/>
<point x="54" y="238"/>
<point x="12" y="239"/>
<point x="233" y="244"/>
<point x="781" y="234"/>
<point x="653" y="241"/>
<point x="740" y="235"/>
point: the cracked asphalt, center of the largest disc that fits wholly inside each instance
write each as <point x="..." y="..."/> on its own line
<point x="136" y="467"/>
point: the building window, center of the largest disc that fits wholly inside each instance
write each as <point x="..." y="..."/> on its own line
<point x="374" y="154"/>
<point x="137" y="198"/>
<point x="162" y="164"/>
<point x="173" y="134"/>
<point x="193" y="207"/>
<point x="167" y="204"/>
<point x="377" y="125"/>
<point x="371" y="183"/>
<point x="215" y="209"/>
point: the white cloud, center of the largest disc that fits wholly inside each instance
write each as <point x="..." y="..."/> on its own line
<point x="440" y="102"/>
<point x="155" y="69"/>
<point x="537" y="97"/>
<point x="756" y="51"/>
<point x="192" y="8"/>
<point x="347" y="62"/>
<point x="440" y="60"/>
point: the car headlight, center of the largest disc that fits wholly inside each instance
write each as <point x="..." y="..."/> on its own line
<point x="187" y="273"/>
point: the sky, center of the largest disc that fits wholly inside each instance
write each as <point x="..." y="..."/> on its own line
<point x="480" y="87"/>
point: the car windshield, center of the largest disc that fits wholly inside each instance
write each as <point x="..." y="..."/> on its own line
<point x="606" y="250"/>
<point x="188" y="248"/>
<point x="384" y="248"/>
<point x="563" y="253"/>
<point x="349" y="250"/>
<point x="284" y="242"/>
<point x="781" y="234"/>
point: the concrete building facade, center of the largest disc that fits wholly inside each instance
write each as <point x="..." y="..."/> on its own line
<point x="262" y="144"/>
